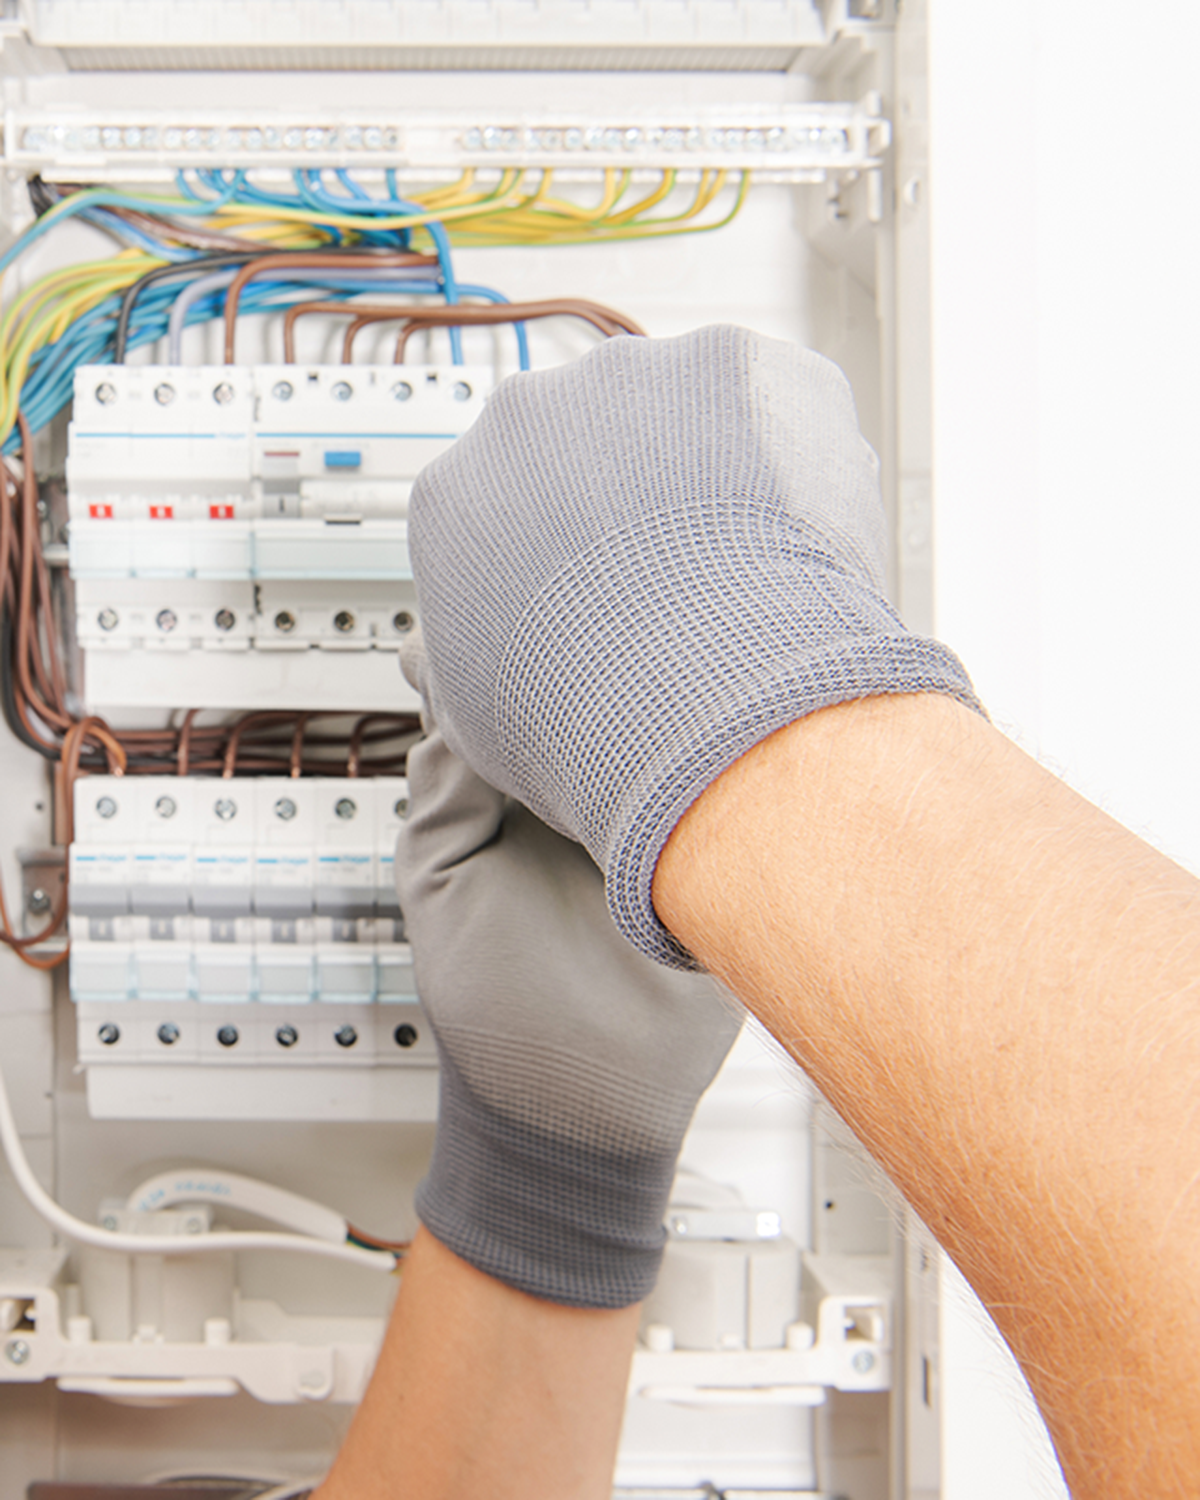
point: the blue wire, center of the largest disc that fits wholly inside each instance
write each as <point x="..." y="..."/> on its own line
<point x="134" y="235"/>
<point x="49" y="384"/>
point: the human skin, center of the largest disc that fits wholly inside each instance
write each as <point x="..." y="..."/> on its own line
<point x="999" y="989"/>
<point x="481" y="1390"/>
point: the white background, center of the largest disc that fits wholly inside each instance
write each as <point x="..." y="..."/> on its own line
<point x="1066" y="416"/>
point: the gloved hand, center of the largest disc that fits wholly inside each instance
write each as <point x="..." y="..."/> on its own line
<point x="635" y="567"/>
<point x="570" y="1065"/>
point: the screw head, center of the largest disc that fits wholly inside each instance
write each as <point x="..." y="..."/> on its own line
<point x="225" y="808"/>
<point x="166" y="807"/>
<point x="345" y="807"/>
<point x="109" y="1222"/>
<point x="285" y="621"/>
<point x="402" y="391"/>
<point x="166" y="620"/>
<point x="107" y="619"/>
<point x="461" y="391"/>
<point x="400" y="807"/>
<point x="109" y="1034"/>
<point x="106" y="393"/>
<point x="106" y="807"/>
<point x="341" y="390"/>
<point x="287" y="1036"/>
<point x="164" y="394"/>
<point x="283" y="390"/>
<point x="223" y="394"/>
<point x="285" y="808"/>
<point x="405" y="1035"/>
<point x="168" y="1033"/>
<point x="39" y="901"/>
<point x="343" y="621"/>
<point x="402" y="622"/>
<point x="225" y="619"/>
<point x="228" y="1036"/>
<point x="863" y="1361"/>
<point x="345" y="1036"/>
<point x="17" y="1352"/>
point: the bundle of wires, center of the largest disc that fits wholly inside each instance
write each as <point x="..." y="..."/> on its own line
<point x="96" y="311"/>
<point x="224" y="245"/>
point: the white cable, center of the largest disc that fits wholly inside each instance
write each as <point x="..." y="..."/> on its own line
<point x="206" y="1185"/>
<point x="293" y="1490"/>
<point x="162" y="1244"/>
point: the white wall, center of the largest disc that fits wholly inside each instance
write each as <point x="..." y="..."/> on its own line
<point x="1066" y="408"/>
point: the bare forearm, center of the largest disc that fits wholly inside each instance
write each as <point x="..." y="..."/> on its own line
<point x="997" y="986"/>
<point x="482" y="1390"/>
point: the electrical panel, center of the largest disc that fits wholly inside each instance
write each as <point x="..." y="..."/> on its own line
<point x="206" y="643"/>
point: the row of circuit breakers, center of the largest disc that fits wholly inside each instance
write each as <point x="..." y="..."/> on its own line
<point x="229" y="891"/>
<point x="218" y="507"/>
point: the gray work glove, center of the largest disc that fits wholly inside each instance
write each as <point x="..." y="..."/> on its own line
<point x="635" y="567"/>
<point x="570" y="1065"/>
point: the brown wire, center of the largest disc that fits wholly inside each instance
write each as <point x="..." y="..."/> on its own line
<point x="604" y="318"/>
<point x="171" y="229"/>
<point x="362" y="313"/>
<point x="270" y="716"/>
<point x="316" y="259"/>
<point x="353" y="761"/>
<point x="296" y="759"/>
<point x="184" y="749"/>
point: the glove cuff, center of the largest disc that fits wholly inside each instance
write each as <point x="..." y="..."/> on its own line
<point x="545" y="1215"/>
<point x="863" y="668"/>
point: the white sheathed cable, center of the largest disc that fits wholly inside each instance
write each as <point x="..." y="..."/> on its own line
<point x="162" y="1244"/>
<point x="204" y="1185"/>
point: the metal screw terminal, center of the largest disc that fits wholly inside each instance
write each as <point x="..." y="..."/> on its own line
<point x="164" y="394"/>
<point x="17" y="1352"/>
<point x="228" y="1036"/>
<point x="285" y="808"/>
<point x="106" y="807"/>
<point x="461" y="391"/>
<point x="402" y="622"/>
<point x="405" y="1035"/>
<point x="285" y="621"/>
<point x="109" y="1034"/>
<point x="287" y="1036"/>
<point x="223" y="394"/>
<point x="863" y="1361"/>
<point x="341" y="390"/>
<point x="166" y="807"/>
<point x="343" y="621"/>
<point x="282" y="390"/>
<point x="225" y="808"/>
<point x="345" y="1036"/>
<point x="168" y="1033"/>
<point x="107" y="619"/>
<point x="402" y="391"/>
<point x="106" y="393"/>
<point x="345" y="807"/>
<point x="225" y="619"/>
<point x="39" y="901"/>
<point x="166" y="620"/>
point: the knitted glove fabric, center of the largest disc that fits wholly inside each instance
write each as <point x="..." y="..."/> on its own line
<point x="635" y="567"/>
<point x="570" y="1065"/>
